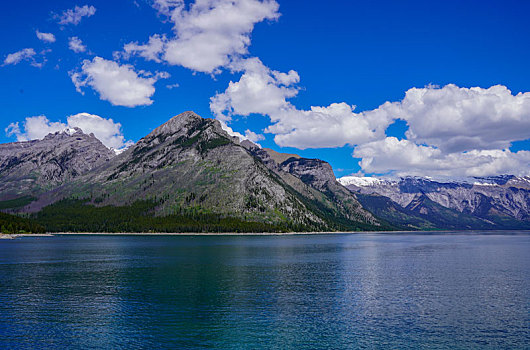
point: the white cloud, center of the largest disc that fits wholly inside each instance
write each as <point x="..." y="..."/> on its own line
<point x="150" y="51"/>
<point x="452" y="130"/>
<point x="333" y="126"/>
<point x="75" y="15"/>
<point x="106" y="130"/>
<point x="35" y="128"/>
<point x="259" y="90"/>
<point x="263" y="91"/>
<point x="13" y="129"/>
<point x="27" y="54"/>
<point x="209" y="34"/>
<point x="121" y="85"/>
<point x="249" y="135"/>
<point x="252" y="136"/>
<point x="461" y="119"/>
<point x="166" y="7"/>
<point x="158" y="75"/>
<point x="46" y="37"/>
<point x="76" y="45"/>
<point x="404" y="157"/>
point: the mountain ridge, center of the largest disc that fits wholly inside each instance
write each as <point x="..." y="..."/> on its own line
<point x="31" y="167"/>
<point x="190" y="174"/>
<point x="481" y="202"/>
<point x="189" y="166"/>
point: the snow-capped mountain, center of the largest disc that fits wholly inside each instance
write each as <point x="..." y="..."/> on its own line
<point x="489" y="198"/>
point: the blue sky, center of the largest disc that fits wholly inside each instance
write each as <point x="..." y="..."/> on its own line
<point x="360" y="53"/>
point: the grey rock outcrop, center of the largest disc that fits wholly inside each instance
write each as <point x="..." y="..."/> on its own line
<point x="483" y="197"/>
<point x="317" y="175"/>
<point x="33" y="167"/>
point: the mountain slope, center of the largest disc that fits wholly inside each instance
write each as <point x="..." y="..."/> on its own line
<point x="191" y="166"/>
<point x="316" y="180"/>
<point x="394" y="214"/>
<point x="480" y="203"/>
<point x="33" y="167"/>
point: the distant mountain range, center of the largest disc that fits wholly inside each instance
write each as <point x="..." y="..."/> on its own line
<point x="190" y="175"/>
<point x="500" y="202"/>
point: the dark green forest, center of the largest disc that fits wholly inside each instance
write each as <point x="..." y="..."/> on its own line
<point x="75" y="215"/>
<point x="71" y="215"/>
<point x="12" y="224"/>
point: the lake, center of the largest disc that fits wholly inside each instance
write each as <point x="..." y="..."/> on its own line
<point x="339" y="291"/>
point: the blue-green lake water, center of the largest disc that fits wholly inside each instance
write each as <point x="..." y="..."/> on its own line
<point x="341" y="291"/>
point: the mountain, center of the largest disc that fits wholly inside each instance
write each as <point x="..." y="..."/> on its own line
<point x="314" y="178"/>
<point x="190" y="175"/>
<point x="499" y="202"/>
<point x="394" y="214"/>
<point x="34" y="167"/>
<point x="187" y="174"/>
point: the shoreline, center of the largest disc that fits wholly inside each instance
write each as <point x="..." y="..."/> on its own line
<point x="52" y="234"/>
<point x="192" y="233"/>
<point x="456" y="232"/>
<point x="17" y="235"/>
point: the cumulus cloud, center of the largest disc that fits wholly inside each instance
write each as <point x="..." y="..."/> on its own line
<point x="249" y="135"/>
<point x="106" y="130"/>
<point x="46" y="37"/>
<point x="27" y="54"/>
<point x="213" y="31"/>
<point x="459" y="119"/>
<point x="451" y="130"/>
<point x="252" y="136"/>
<point x="76" y="45"/>
<point x="404" y="157"/>
<point x="34" y="128"/>
<point x="330" y="126"/>
<point x="454" y="131"/>
<point x="121" y="85"/>
<point x="75" y="15"/>
<point x="13" y="129"/>
<point x="150" y="51"/>
<point x="209" y="34"/>
<point x="261" y="90"/>
<point x="166" y="7"/>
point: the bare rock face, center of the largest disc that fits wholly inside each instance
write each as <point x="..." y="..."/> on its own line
<point x="483" y="197"/>
<point x="318" y="175"/>
<point x="278" y="157"/>
<point x="35" y="166"/>
<point x="314" y="172"/>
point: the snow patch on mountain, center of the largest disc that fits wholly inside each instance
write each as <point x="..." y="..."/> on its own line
<point x="504" y="195"/>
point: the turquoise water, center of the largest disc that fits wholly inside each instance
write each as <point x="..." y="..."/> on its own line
<point x="268" y="292"/>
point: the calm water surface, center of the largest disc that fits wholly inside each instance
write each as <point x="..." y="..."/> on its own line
<point x="268" y="292"/>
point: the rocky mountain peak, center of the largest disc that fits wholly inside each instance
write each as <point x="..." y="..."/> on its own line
<point x="178" y="124"/>
<point x="67" y="133"/>
<point x="60" y="156"/>
<point x="314" y="172"/>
